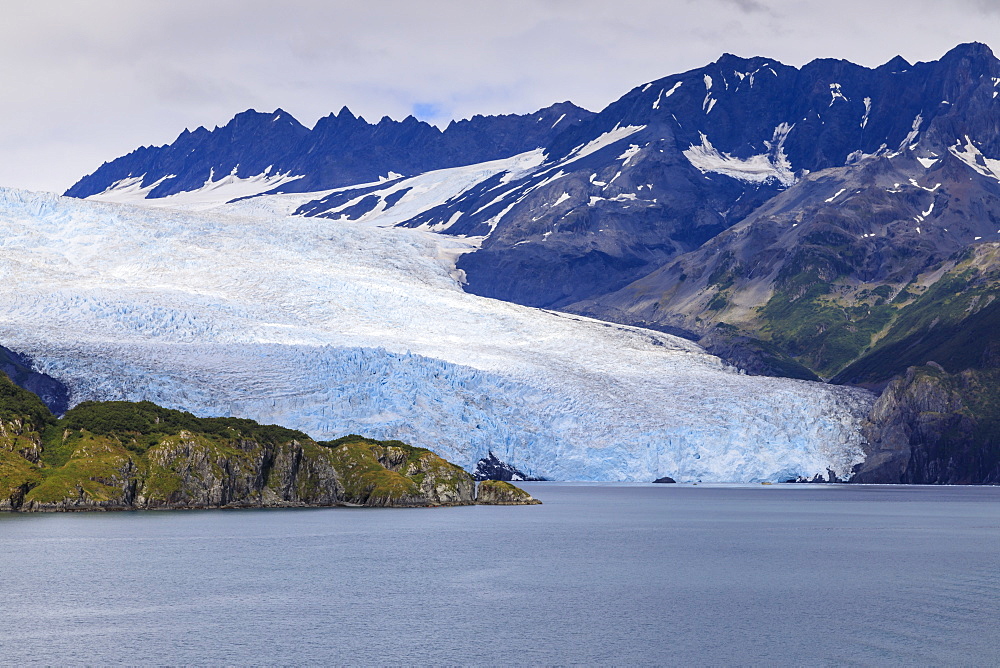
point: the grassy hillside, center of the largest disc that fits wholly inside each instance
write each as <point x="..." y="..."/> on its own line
<point x="955" y="323"/>
<point x="122" y="455"/>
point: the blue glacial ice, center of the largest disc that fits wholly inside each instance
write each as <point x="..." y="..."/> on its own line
<point x="337" y="327"/>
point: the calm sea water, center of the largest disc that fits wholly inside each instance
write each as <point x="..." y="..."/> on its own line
<point x="600" y="574"/>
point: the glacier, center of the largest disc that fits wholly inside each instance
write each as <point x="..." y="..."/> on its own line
<point x="336" y="327"/>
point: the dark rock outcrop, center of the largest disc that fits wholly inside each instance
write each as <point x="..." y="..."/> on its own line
<point x="932" y="427"/>
<point x="502" y="493"/>
<point x="18" y="368"/>
<point x="492" y="467"/>
<point x="665" y="479"/>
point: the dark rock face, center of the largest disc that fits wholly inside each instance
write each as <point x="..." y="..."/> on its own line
<point x="342" y="149"/>
<point x="665" y="479"/>
<point x="492" y="468"/>
<point x="49" y="390"/>
<point x="188" y="472"/>
<point x="931" y="427"/>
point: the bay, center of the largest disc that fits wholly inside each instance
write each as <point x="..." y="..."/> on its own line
<point x="600" y="574"/>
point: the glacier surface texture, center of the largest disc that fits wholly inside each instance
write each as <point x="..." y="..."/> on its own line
<point x="337" y="327"/>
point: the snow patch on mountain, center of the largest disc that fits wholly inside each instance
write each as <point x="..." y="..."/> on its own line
<point x="408" y="198"/>
<point x="335" y="327"/>
<point x="605" y="139"/>
<point x="970" y="154"/>
<point x="764" y="168"/>
<point x="211" y="194"/>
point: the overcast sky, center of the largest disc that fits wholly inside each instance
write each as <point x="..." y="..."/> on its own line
<point x="85" y="81"/>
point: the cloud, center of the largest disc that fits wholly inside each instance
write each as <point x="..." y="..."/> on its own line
<point x="751" y="6"/>
<point x="985" y="6"/>
<point x="86" y="82"/>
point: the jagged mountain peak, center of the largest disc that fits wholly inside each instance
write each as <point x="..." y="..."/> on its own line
<point x="341" y="149"/>
<point x="971" y="50"/>
<point x="896" y="64"/>
<point x="729" y="60"/>
<point x="273" y="120"/>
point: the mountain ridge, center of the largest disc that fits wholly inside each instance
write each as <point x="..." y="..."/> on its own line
<point x="800" y="221"/>
<point x="341" y="149"/>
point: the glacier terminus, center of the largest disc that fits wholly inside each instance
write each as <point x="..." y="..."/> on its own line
<point x="335" y="327"/>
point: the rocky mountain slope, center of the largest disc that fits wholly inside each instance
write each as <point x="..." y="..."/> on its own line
<point x="824" y="267"/>
<point x="954" y="322"/>
<point x="938" y="420"/>
<point x="133" y="456"/>
<point x="675" y="162"/>
<point x="929" y="427"/>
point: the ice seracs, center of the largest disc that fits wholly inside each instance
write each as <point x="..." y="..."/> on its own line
<point x="338" y="327"/>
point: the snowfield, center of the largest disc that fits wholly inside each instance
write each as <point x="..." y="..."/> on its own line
<point x="337" y="327"/>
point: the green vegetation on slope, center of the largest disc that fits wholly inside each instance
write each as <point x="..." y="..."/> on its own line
<point x="146" y="419"/>
<point x="392" y="472"/>
<point x="955" y="323"/>
<point x="125" y="455"/>
<point x="805" y="319"/>
<point x="502" y="493"/>
<point x="18" y="404"/>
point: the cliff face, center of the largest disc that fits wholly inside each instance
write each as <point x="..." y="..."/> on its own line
<point x="20" y="450"/>
<point x="929" y="426"/>
<point x="391" y="473"/>
<point x="196" y="470"/>
<point x="125" y="456"/>
<point x="188" y="470"/>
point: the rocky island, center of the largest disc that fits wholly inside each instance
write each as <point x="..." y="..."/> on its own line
<point x="139" y="456"/>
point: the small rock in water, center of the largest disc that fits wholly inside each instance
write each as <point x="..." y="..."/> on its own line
<point x="665" y="478"/>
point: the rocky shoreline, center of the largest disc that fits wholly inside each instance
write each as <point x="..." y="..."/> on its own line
<point x="106" y="456"/>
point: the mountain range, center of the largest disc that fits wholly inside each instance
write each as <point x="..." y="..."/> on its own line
<point x="831" y="222"/>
